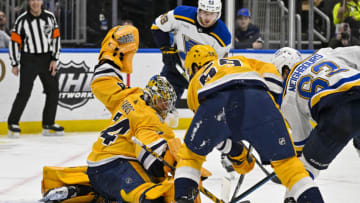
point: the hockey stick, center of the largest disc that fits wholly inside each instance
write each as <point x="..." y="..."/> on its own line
<point x="226" y="186"/>
<point x="253" y="188"/>
<point x="157" y="156"/>
<point x="274" y="179"/>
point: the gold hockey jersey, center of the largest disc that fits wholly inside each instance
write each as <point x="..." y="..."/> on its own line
<point x="267" y="71"/>
<point x="131" y="116"/>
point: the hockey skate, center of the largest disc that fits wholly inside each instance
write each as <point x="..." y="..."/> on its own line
<point x="53" y="130"/>
<point x="59" y="194"/>
<point x="14" y="131"/>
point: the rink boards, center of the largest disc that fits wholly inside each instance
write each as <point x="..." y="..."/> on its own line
<point x="78" y="109"/>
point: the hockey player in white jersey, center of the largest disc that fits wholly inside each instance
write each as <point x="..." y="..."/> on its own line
<point x="189" y="26"/>
<point x="325" y="88"/>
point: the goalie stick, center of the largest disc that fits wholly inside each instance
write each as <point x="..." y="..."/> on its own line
<point x="206" y="192"/>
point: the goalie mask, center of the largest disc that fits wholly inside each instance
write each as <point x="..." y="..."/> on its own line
<point x="197" y="57"/>
<point x="160" y="95"/>
<point x="119" y="46"/>
<point x="286" y="57"/>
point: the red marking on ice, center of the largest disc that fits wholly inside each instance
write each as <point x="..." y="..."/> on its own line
<point x="29" y="179"/>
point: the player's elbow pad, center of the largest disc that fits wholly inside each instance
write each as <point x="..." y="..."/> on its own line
<point x="241" y="163"/>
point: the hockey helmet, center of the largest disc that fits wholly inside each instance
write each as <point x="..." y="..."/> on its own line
<point x="119" y="46"/>
<point x="198" y="56"/>
<point x="160" y="95"/>
<point x="213" y="6"/>
<point x="286" y="57"/>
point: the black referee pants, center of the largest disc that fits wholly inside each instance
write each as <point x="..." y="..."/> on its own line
<point x="31" y="67"/>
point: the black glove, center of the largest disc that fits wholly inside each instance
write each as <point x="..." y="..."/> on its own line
<point x="170" y="56"/>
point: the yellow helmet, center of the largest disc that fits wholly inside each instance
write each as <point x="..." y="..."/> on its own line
<point x="119" y="46"/>
<point x="160" y="95"/>
<point x="198" y="56"/>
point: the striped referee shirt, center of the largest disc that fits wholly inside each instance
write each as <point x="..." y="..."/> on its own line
<point x="34" y="35"/>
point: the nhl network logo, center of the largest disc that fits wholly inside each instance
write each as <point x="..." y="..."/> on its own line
<point x="2" y="70"/>
<point x="74" y="84"/>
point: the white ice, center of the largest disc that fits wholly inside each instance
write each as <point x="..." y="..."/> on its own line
<point x="22" y="161"/>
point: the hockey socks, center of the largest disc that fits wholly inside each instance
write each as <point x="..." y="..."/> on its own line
<point x="311" y="195"/>
<point x="305" y="191"/>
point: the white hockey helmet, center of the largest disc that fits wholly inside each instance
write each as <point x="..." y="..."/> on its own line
<point x="213" y="6"/>
<point x="286" y="56"/>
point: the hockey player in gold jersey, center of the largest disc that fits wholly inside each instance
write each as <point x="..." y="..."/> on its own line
<point x="118" y="169"/>
<point x="232" y="103"/>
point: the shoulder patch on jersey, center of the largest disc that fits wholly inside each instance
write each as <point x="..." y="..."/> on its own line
<point x="185" y="13"/>
<point x="221" y="34"/>
<point x="127" y="107"/>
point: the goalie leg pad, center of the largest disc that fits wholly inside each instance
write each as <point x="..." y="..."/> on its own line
<point x="54" y="177"/>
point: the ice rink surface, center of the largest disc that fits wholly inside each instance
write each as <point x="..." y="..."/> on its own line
<point x="22" y="161"/>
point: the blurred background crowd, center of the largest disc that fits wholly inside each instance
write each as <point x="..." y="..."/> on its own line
<point x="258" y="24"/>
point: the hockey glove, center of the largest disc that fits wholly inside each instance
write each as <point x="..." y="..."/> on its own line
<point x="242" y="164"/>
<point x="170" y="56"/>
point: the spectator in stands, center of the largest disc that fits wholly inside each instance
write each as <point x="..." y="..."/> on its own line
<point x="247" y="35"/>
<point x="4" y="32"/>
<point x="348" y="10"/>
<point x="97" y="23"/>
<point x="343" y="37"/>
<point x="3" y="22"/>
<point x="4" y="39"/>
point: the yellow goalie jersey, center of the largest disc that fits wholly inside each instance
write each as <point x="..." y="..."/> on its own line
<point x="131" y="116"/>
<point x="222" y="74"/>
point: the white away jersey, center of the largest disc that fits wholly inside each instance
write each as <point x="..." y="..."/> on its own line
<point x="181" y="22"/>
<point x="315" y="83"/>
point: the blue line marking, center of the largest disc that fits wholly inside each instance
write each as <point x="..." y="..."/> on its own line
<point x="156" y="50"/>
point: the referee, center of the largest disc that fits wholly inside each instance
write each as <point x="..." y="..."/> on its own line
<point x="36" y="36"/>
